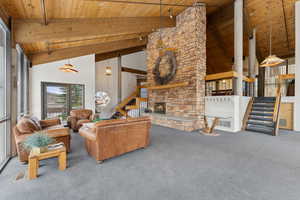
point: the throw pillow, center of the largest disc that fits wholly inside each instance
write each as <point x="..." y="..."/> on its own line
<point x="26" y="126"/>
<point x="36" y="121"/>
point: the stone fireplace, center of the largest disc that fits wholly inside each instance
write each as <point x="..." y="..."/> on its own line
<point x="184" y="106"/>
<point x="160" y="108"/>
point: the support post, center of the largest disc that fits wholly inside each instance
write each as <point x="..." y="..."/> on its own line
<point x="297" y="70"/>
<point x="119" y="79"/>
<point x="238" y="45"/>
<point x="252" y="60"/>
<point x="238" y="58"/>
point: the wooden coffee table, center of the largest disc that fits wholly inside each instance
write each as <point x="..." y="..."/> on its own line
<point x="33" y="163"/>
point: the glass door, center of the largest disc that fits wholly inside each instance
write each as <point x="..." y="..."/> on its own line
<point x="60" y="98"/>
<point x="55" y="100"/>
<point x="4" y="94"/>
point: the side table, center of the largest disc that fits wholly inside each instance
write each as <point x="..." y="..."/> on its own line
<point x="33" y="161"/>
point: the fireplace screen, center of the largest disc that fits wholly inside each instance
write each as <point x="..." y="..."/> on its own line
<point x="160" y="108"/>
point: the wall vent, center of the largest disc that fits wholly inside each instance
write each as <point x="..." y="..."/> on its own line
<point x="225" y="123"/>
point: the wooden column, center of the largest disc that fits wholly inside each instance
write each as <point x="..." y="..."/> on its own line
<point x="238" y="45"/>
<point x="297" y="70"/>
<point x="252" y="60"/>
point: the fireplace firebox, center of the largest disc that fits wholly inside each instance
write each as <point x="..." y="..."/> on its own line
<point x="160" y="107"/>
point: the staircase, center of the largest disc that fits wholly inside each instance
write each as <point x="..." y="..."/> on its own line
<point x="130" y="107"/>
<point x="262" y="115"/>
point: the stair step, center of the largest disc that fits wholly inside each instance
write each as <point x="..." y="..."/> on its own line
<point x="263" y="109"/>
<point x="258" y="118"/>
<point x="267" y="124"/>
<point x="265" y="99"/>
<point x="132" y="107"/>
<point x="260" y="129"/>
<point x="269" y="105"/>
<point x="261" y="114"/>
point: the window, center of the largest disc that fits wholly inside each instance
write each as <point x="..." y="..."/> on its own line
<point x="5" y="52"/>
<point x="23" y="82"/>
<point x="59" y="98"/>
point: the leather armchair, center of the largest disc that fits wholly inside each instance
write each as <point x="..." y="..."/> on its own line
<point x="79" y="117"/>
<point x="110" y="138"/>
<point x="26" y="127"/>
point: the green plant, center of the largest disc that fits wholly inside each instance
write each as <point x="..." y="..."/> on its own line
<point x="38" y="139"/>
<point x="63" y="116"/>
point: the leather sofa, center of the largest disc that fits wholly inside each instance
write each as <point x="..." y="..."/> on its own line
<point x="110" y="138"/>
<point x="79" y="117"/>
<point x="26" y="127"/>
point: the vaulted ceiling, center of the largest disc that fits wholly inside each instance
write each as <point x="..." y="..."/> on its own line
<point x="220" y="33"/>
<point x="79" y="27"/>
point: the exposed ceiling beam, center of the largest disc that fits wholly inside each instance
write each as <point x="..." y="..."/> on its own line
<point x="44" y="12"/>
<point x="134" y="71"/>
<point x="151" y="3"/>
<point x="29" y="31"/>
<point x="88" y="41"/>
<point x="113" y="54"/>
<point x="61" y="54"/>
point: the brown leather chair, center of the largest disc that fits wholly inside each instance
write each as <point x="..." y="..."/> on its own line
<point x="79" y="117"/>
<point x="26" y="127"/>
<point x="110" y="138"/>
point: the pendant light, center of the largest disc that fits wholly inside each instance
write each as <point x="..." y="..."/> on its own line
<point x="271" y="60"/>
<point x="68" y="68"/>
<point x="160" y="44"/>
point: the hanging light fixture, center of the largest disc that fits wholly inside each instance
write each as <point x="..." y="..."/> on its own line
<point x="160" y="44"/>
<point x="68" y="68"/>
<point x="271" y="60"/>
<point x="108" y="69"/>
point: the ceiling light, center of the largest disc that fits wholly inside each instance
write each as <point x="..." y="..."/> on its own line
<point x="271" y="60"/>
<point x="68" y="68"/>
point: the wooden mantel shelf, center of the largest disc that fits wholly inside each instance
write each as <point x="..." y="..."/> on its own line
<point x="160" y="87"/>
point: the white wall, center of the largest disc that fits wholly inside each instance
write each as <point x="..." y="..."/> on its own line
<point x="135" y="60"/>
<point x="109" y="84"/>
<point x="49" y="73"/>
<point x="229" y="109"/>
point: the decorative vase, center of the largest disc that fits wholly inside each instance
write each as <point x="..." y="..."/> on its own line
<point x="38" y="150"/>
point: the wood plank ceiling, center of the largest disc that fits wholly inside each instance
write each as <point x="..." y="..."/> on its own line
<point x="62" y="37"/>
<point x="220" y="33"/>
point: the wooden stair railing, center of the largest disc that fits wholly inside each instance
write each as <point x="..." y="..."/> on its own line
<point x="123" y="107"/>
<point x="276" y="111"/>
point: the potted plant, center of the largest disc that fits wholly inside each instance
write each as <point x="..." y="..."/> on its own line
<point x="38" y="142"/>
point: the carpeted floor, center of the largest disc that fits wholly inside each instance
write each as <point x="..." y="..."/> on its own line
<point x="177" y="165"/>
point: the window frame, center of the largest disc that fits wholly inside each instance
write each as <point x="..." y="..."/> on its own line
<point x="6" y="119"/>
<point x="68" y="85"/>
<point x="23" y="65"/>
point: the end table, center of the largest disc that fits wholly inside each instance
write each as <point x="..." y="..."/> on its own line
<point x="33" y="163"/>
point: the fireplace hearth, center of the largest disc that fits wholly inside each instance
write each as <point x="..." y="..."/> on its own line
<point x="160" y="108"/>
